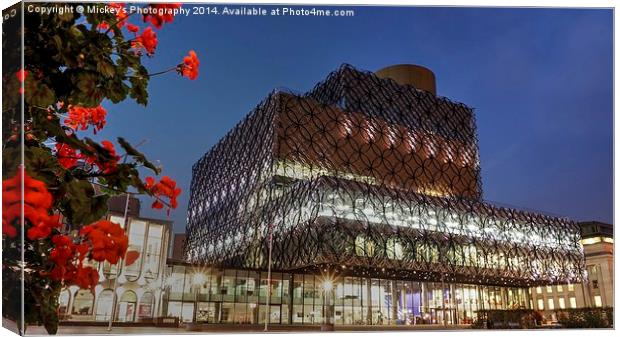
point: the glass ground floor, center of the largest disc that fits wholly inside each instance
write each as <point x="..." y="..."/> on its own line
<point x="241" y="296"/>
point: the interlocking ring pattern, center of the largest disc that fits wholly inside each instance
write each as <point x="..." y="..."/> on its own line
<point x="362" y="176"/>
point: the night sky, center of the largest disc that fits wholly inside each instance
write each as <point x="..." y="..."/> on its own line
<point x="540" y="81"/>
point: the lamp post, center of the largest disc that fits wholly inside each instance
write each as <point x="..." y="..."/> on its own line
<point x="198" y="282"/>
<point x="118" y="267"/>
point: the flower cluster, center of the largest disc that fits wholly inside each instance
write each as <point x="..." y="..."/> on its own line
<point x="68" y="259"/>
<point x="108" y="240"/>
<point x="121" y="15"/>
<point x="167" y="188"/>
<point x="81" y="117"/>
<point x="37" y="202"/>
<point x="160" y="13"/>
<point x="147" y="40"/>
<point x="190" y="65"/>
<point x="68" y="157"/>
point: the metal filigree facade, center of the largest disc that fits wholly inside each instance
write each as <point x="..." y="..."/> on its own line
<point x="363" y="176"/>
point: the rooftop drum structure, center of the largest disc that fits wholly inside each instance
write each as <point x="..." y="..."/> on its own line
<point x="368" y="175"/>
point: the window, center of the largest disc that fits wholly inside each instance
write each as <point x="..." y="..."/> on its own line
<point x="125" y="310"/>
<point x="394" y="249"/>
<point x="559" y="287"/>
<point x="541" y="304"/>
<point x="145" y="309"/>
<point x="550" y="304"/>
<point x="538" y="290"/>
<point x="153" y="251"/>
<point x="573" y="302"/>
<point x="104" y="305"/>
<point x="63" y="301"/>
<point x="83" y="302"/>
<point x="549" y="289"/>
<point x="137" y="234"/>
<point x="371" y="131"/>
<point x="597" y="301"/>
<point x="391" y="136"/>
<point x="347" y="127"/>
<point x="561" y="303"/>
<point x="571" y="287"/>
<point x="364" y="246"/>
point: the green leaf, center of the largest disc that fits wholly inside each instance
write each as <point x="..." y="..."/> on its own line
<point x="106" y="68"/>
<point x="37" y="93"/>
<point x="137" y="155"/>
<point x="81" y="205"/>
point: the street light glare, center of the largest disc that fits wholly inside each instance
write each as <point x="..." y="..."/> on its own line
<point x="328" y="285"/>
<point x="199" y="279"/>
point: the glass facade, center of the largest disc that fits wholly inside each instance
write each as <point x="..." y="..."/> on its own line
<point x="240" y="297"/>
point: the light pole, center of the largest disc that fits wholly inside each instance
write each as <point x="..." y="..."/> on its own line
<point x="328" y="314"/>
<point x="118" y="267"/>
<point x="198" y="281"/>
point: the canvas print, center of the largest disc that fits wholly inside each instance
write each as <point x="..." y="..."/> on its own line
<point x="232" y="168"/>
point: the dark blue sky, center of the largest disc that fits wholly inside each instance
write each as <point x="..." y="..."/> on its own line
<point x="540" y="81"/>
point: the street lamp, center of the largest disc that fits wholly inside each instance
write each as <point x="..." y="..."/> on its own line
<point x="198" y="280"/>
<point x="328" y="314"/>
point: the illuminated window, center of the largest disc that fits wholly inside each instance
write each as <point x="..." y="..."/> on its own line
<point x="573" y="302"/>
<point x="126" y="307"/>
<point x="590" y="241"/>
<point x="63" y="301"/>
<point x="561" y="303"/>
<point x="412" y="140"/>
<point x="391" y="136"/>
<point x="598" y="301"/>
<point x="448" y="153"/>
<point x="118" y="220"/>
<point x="147" y="302"/>
<point x="560" y="289"/>
<point x="394" y="249"/>
<point x="347" y="127"/>
<point x="364" y="246"/>
<point x="571" y="287"/>
<point x="371" y="131"/>
<point x="137" y="235"/>
<point x="104" y="305"/>
<point x="431" y="147"/>
<point x="541" y="304"/>
<point x="549" y="289"/>
<point x="153" y="251"/>
<point x="538" y="290"/>
<point x="550" y="303"/>
<point x="83" y="302"/>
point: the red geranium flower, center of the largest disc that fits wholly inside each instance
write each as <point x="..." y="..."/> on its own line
<point x="162" y="13"/>
<point x="21" y="76"/>
<point x="67" y="156"/>
<point x="108" y="240"/>
<point x="148" y="40"/>
<point x="107" y="165"/>
<point x="165" y="188"/>
<point x="37" y="201"/>
<point x="81" y="117"/>
<point x="133" y="28"/>
<point x="190" y="65"/>
<point x="86" y="277"/>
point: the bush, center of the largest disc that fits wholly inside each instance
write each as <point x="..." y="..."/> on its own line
<point x="507" y="319"/>
<point x="586" y="318"/>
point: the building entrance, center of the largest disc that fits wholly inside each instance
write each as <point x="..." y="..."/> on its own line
<point x="443" y="316"/>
